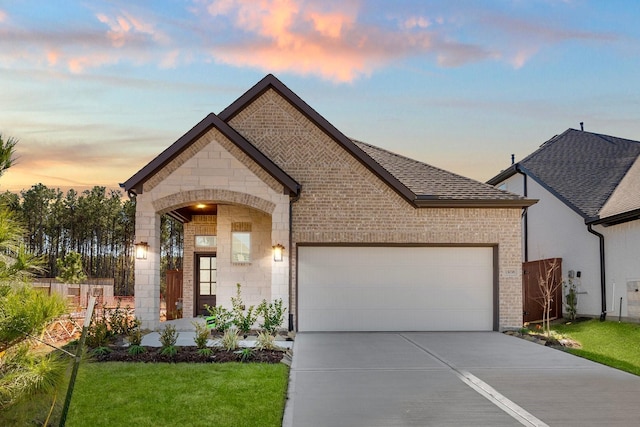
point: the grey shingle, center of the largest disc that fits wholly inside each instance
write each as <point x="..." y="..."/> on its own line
<point x="426" y="180"/>
<point x="582" y="168"/>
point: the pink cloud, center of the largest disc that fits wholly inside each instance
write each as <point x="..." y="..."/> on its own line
<point x="523" y="39"/>
<point x="417" y="22"/>
<point x="122" y="26"/>
<point x="53" y="56"/>
<point x="331" y="24"/>
<point x="339" y="40"/>
<point x="522" y="56"/>
<point x="327" y="40"/>
<point x="78" y="63"/>
<point x="170" y="60"/>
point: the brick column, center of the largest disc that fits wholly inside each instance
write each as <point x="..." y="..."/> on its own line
<point x="147" y="271"/>
<point x="280" y="270"/>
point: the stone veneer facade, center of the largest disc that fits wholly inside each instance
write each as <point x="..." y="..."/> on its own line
<point x="213" y="170"/>
<point x="341" y="202"/>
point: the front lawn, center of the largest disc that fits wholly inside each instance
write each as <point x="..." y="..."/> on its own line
<point x="610" y="343"/>
<point x="189" y="394"/>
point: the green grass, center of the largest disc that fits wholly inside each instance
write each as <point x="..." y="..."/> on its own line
<point x="189" y="394"/>
<point x="610" y="343"/>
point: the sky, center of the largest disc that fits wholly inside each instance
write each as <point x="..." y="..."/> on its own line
<point x="95" y="89"/>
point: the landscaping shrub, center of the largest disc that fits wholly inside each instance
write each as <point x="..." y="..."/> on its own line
<point x="168" y="339"/>
<point x="272" y="315"/>
<point x="230" y="339"/>
<point x="243" y="321"/>
<point x="202" y="335"/>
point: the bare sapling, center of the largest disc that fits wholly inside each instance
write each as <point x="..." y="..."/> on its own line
<point x="548" y="284"/>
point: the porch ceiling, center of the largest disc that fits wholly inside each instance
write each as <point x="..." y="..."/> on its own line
<point x="185" y="214"/>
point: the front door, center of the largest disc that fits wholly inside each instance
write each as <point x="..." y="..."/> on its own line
<point x="206" y="280"/>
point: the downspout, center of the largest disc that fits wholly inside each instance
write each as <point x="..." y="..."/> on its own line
<point x="292" y="200"/>
<point x="524" y="215"/>
<point x="603" y="282"/>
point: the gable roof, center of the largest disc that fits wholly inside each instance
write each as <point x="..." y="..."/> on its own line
<point x="420" y="184"/>
<point x="584" y="170"/>
<point x="135" y="183"/>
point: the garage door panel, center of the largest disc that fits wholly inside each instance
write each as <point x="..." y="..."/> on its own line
<point x="462" y="298"/>
<point x="395" y="288"/>
<point x="395" y="320"/>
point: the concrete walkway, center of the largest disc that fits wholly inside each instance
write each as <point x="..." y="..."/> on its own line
<point x="186" y="335"/>
<point x="451" y="379"/>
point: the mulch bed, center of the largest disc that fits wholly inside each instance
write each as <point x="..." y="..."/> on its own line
<point x="189" y="355"/>
<point x="542" y="339"/>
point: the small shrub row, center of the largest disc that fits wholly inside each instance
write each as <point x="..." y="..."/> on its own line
<point x="169" y="336"/>
<point x="243" y="318"/>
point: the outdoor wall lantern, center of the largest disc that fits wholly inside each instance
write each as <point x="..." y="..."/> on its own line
<point x="141" y="250"/>
<point x="277" y="252"/>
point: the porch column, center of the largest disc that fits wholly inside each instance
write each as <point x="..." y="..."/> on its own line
<point x="280" y="270"/>
<point x="147" y="271"/>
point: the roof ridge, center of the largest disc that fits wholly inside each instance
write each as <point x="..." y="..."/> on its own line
<point x="270" y="81"/>
<point x="605" y="136"/>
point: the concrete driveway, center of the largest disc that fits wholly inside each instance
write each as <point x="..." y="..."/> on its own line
<point x="451" y="379"/>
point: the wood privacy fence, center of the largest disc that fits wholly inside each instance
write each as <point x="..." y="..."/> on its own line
<point x="174" y="294"/>
<point x="78" y="295"/>
<point x="535" y="275"/>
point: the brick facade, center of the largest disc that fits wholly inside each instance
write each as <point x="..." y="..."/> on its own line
<point x="341" y="202"/>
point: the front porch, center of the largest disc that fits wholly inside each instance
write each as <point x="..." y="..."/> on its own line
<point x="225" y="243"/>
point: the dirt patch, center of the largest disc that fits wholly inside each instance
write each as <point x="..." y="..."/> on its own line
<point x="191" y="355"/>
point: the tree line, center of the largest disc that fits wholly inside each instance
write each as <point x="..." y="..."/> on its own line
<point x="99" y="224"/>
<point x="38" y="229"/>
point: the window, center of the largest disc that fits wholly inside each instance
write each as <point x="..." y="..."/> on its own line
<point x="206" y="242"/>
<point x="240" y="246"/>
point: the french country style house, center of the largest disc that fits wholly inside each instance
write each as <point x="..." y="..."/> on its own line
<point x="350" y="236"/>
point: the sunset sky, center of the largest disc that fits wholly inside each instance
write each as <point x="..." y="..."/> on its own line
<point x="95" y="89"/>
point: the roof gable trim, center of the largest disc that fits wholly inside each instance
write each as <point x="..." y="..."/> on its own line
<point x="135" y="183"/>
<point x="552" y="191"/>
<point x="615" y="219"/>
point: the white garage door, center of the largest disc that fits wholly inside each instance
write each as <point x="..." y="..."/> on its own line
<point x="395" y="288"/>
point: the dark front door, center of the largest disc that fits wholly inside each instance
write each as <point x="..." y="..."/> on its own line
<point x="206" y="281"/>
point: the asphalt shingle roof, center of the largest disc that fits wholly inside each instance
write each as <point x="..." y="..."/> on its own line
<point x="426" y="180"/>
<point x="420" y="184"/>
<point x="583" y="168"/>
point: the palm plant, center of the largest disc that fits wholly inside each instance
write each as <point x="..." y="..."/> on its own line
<point x="24" y="312"/>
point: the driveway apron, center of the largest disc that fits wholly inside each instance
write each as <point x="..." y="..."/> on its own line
<point x="451" y="379"/>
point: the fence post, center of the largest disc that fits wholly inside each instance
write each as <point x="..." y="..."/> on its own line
<point x="76" y="363"/>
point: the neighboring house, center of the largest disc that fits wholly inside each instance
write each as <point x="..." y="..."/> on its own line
<point x="588" y="214"/>
<point x="372" y="240"/>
